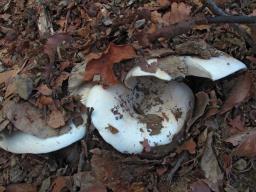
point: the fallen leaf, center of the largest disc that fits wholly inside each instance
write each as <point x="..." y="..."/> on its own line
<point x="247" y="147"/>
<point x="44" y="90"/>
<point x="189" y="146"/>
<point x="163" y="3"/>
<point x="236" y="125"/>
<point x="60" y="79"/>
<point x="227" y="163"/>
<point x="179" y="12"/>
<point x="29" y="119"/>
<point x="103" y="66"/>
<point x="24" y="86"/>
<point x="241" y="92"/>
<point x="199" y="186"/>
<point x="2" y="189"/>
<point x="6" y="75"/>
<point x="209" y="164"/>
<point x="61" y="183"/>
<point x="108" y="169"/>
<point x="21" y="187"/>
<point x="56" y="119"/>
<point x="87" y="182"/>
<point x="44" y="101"/>
<point x="50" y="48"/>
<point x="202" y="100"/>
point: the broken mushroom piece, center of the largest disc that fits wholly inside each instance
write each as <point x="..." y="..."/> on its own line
<point x="19" y="142"/>
<point x="214" y="68"/>
<point x="153" y="111"/>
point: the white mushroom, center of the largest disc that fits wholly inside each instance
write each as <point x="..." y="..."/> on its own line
<point x="214" y="68"/>
<point x="151" y="108"/>
<point x="19" y="142"/>
<point x="152" y="111"/>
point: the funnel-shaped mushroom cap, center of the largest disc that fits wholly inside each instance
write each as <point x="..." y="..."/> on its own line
<point x="214" y="68"/>
<point x="19" y="142"/>
<point x="153" y="111"/>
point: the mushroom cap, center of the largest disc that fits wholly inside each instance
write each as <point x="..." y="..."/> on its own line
<point x="153" y="111"/>
<point x="19" y="142"/>
<point x="214" y="68"/>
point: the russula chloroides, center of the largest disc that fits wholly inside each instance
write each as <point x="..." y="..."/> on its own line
<point x="149" y="106"/>
<point x="19" y="142"/>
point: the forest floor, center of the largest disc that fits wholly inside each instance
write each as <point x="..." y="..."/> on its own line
<point x="40" y="43"/>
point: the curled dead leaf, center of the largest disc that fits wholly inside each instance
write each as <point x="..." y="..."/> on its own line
<point x="56" y="119"/>
<point x="241" y="92"/>
<point x="103" y="66"/>
<point x="179" y="12"/>
<point x="29" y="119"/>
<point x="189" y="146"/>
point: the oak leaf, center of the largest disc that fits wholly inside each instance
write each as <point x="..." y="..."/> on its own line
<point x="179" y="12"/>
<point x="103" y="65"/>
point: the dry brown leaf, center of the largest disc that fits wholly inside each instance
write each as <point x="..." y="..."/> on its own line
<point x="61" y="183"/>
<point x="44" y="90"/>
<point x="2" y="189"/>
<point x="202" y="100"/>
<point x="21" y="187"/>
<point x="5" y="76"/>
<point x="163" y="3"/>
<point x="109" y="170"/>
<point x="199" y="186"/>
<point x="56" y="119"/>
<point x="189" y="146"/>
<point x="103" y="66"/>
<point x="28" y="119"/>
<point x="179" y="12"/>
<point x="241" y="91"/>
<point x="209" y="164"/>
<point x="247" y="147"/>
<point x="237" y="139"/>
<point x="236" y="125"/>
<point x="50" y="48"/>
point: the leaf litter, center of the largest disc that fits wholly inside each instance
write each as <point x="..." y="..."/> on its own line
<point x="36" y="33"/>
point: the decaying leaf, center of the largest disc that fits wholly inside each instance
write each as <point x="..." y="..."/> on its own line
<point x="179" y="12"/>
<point x="199" y="186"/>
<point x="209" y="164"/>
<point x="109" y="170"/>
<point x="21" y="187"/>
<point x="44" y="90"/>
<point x="56" y="119"/>
<point x="61" y="183"/>
<point x="29" y="119"/>
<point x="236" y="125"/>
<point x="24" y="86"/>
<point x="50" y="48"/>
<point x="189" y="146"/>
<point x="247" y="147"/>
<point x="241" y="91"/>
<point x="103" y="66"/>
<point x="202" y="100"/>
<point x="4" y="76"/>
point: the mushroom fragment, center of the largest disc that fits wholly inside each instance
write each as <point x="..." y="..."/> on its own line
<point x="152" y="111"/>
<point x="19" y="142"/>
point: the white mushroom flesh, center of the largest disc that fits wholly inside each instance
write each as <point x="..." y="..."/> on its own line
<point x="19" y="142"/>
<point x="214" y="68"/>
<point x="154" y="111"/>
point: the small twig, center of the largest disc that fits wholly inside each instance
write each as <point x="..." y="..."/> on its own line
<point x="183" y="27"/>
<point x="232" y="19"/>
<point x="218" y="11"/>
<point x="177" y="165"/>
